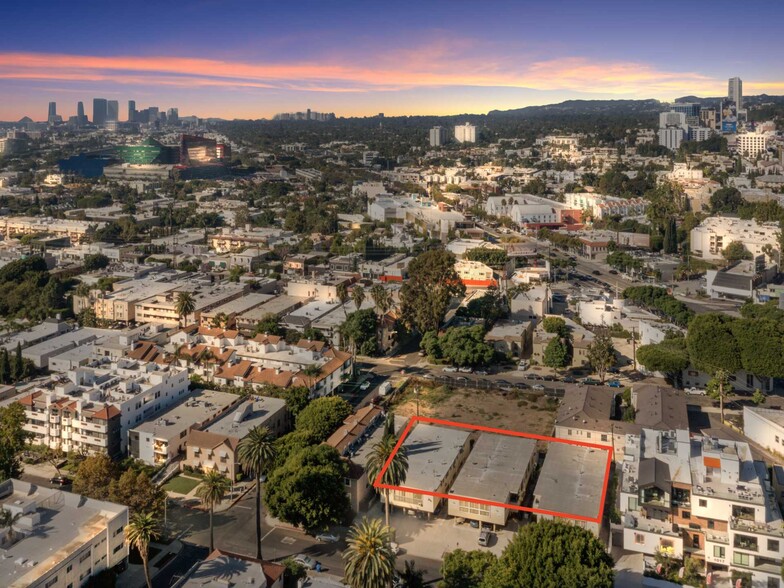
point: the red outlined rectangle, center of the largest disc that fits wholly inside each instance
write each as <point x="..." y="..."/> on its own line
<point x="598" y="519"/>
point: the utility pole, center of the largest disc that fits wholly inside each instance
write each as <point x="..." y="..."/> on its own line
<point x="634" y="348"/>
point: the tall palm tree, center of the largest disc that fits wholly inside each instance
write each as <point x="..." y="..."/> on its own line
<point x="342" y="293"/>
<point x="370" y="562"/>
<point x="185" y="305"/>
<point x="7" y="521"/>
<point x="142" y="529"/>
<point x="213" y="489"/>
<point x="358" y="296"/>
<point x="395" y="474"/>
<point x="381" y="299"/>
<point x="256" y="451"/>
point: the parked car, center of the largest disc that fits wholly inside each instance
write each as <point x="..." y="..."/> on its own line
<point x="533" y="377"/>
<point x="61" y="481"/>
<point x="596" y="273"/>
<point x="482" y="372"/>
<point x="450" y="369"/>
<point x="484" y="538"/>
<point x="474" y="524"/>
<point x="364" y="385"/>
<point x="614" y="370"/>
<point x="569" y="380"/>
<point x="591" y="382"/>
<point x="614" y="384"/>
<point x="538" y="387"/>
<point x="549" y="378"/>
<point x="308" y="562"/>
<point x="465" y="370"/>
<point x="614" y="272"/>
<point x="327" y="538"/>
<point x="695" y="391"/>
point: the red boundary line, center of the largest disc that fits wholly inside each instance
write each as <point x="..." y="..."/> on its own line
<point x="598" y="519"/>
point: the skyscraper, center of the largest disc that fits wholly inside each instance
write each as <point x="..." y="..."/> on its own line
<point x="99" y="111"/>
<point x="465" y="133"/>
<point x="437" y="136"/>
<point x="80" y="111"/>
<point x="173" y="116"/>
<point x="112" y="111"/>
<point x="735" y="92"/>
<point x="131" y="110"/>
<point x="52" y="118"/>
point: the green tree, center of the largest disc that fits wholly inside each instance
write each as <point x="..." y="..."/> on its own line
<point x="411" y="576"/>
<point x="712" y="344"/>
<point x="184" y="306"/>
<point x="94" y="477"/>
<point x="5" y="368"/>
<point x="465" y="569"/>
<point x="395" y="474"/>
<point x="94" y="262"/>
<point x="669" y="357"/>
<point x="297" y="398"/>
<point x="269" y="324"/>
<point x="358" y="296"/>
<point x="309" y="490"/>
<point x="382" y="299"/>
<point x="138" y="492"/>
<point x="726" y="200"/>
<point x="601" y="353"/>
<point x="670" y="237"/>
<point x="360" y="329"/>
<point x="341" y="291"/>
<point x="758" y="397"/>
<point x="432" y="283"/>
<point x="465" y="346"/>
<point x="211" y="492"/>
<point x="142" y="529"/>
<point x="323" y="415"/>
<point x="555" y="324"/>
<point x="761" y="341"/>
<point x="13" y="439"/>
<point x="719" y="388"/>
<point x="256" y="452"/>
<point x="552" y="554"/>
<point x="735" y="251"/>
<point x="370" y="562"/>
<point x="556" y="354"/>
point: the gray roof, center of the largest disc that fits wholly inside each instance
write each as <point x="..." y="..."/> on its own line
<point x="730" y="280"/>
<point x="431" y="452"/>
<point x="654" y="472"/>
<point x="246" y="416"/>
<point x="195" y="409"/>
<point x="495" y="468"/>
<point x="571" y="480"/>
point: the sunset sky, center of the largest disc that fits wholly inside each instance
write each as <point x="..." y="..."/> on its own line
<point x="252" y="59"/>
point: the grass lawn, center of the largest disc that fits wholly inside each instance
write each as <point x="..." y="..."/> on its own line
<point x="181" y="484"/>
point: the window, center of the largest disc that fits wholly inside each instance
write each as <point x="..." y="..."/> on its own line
<point x="773" y="545"/>
<point x="604" y="437"/>
<point x="632" y="503"/>
<point x="85" y="555"/>
<point x="718" y="551"/>
<point x="118" y="548"/>
<point x="703" y="502"/>
<point x="777" y="438"/>
<point x="51" y="582"/>
<point x="473" y="508"/>
<point x="741" y="559"/>
<point x="639" y="539"/>
<point x="347" y="481"/>
<point x="711" y="524"/>
<point x="773" y="583"/>
<point x="69" y="568"/>
<point x="588" y="434"/>
<point x="686" y="514"/>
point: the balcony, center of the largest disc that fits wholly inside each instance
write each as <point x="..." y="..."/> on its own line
<point x="739" y="524"/>
<point x="746" y="543"/>
<point x="54" y="419"/>
<point x="35" y="416"/>
<point x="95" y="427"/>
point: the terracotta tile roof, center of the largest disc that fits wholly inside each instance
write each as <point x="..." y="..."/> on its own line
<point x="238" y="370"/>
<point x="107" y="412"/>
<point x="267" y="339"/>
<point x="353" y="427"/>
<point x="209" y="440"/>
<point x="282" y="378"/>
<point x="310" y="345"/>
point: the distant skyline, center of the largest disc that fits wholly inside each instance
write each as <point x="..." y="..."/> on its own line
<point x="236" y="59"/>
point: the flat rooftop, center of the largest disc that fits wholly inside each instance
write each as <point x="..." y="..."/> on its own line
<point x="431" y="452"/>
<point x="571" y="480"/>
<point x="251" y="413"/>
<point x="68" y="521"/>
<point x="495" y="468"/>
<point x="240" y="304"/>
<point x="198" y="407"/>
<point x="278" y="305"/>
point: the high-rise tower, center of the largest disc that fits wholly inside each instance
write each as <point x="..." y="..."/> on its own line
<point x="52" y="118"/>
<point x="99" y="111"/>
<point x="735" y="92"/>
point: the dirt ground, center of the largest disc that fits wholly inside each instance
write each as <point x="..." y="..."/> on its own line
<point x="514" y="411"/>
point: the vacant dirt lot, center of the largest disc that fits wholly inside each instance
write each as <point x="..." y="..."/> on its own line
<point x="515" y="411"/>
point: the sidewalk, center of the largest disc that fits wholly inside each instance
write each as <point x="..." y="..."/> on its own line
<point x="238" y="491"/>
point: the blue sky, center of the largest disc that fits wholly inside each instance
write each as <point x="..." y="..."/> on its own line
<point x="252" y="59"/>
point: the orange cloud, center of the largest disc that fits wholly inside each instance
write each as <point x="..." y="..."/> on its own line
<point x="439" y="64"/>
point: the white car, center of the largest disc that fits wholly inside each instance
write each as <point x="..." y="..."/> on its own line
<point x="694" y="391"/>
<point x="394" y="547"/>
<point x="450" y="369"/>
<point x="538" y="387"/>
<point x="327" y="538"/>
<point x="364" y="385"/>
<point x="306" y="561"/>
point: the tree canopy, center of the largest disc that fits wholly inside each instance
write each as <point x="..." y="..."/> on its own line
<point x="12" y="440"/>
<point x="432" y="283"/>
<point x="711" y="343"/>
<point x="462" y="346"/>
<point x="557" y="354"/>
<point x="322" y="416"/>
<point x="361" y="330"/>
<point x="465" y="569"/>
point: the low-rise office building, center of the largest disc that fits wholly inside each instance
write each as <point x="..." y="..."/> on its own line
<point x="60" y="539"/>
<point x="497" y="470"/>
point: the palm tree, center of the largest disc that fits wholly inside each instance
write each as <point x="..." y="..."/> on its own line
<point x="211" y="492"/>
<point x="342" y="293"/>
<point x="381" y="299"/>
<point x="142" y="530"/>
<point x="395" y="474"/>
<point x="185" y="305"/>
<point x="256" y="452"/>
<point x="7" y="521"/>
<point x="358" y="296"/>
<point x="370" y="562"/>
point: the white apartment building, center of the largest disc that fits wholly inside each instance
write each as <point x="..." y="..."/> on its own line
<point x="671" y="137"/>
<point x="672" y="118"/>
<point x="61" y="539"/>
<point x="92" y="408"/>
<point x="465" y="133"/>
<point x="751" y="144"/>
<point x="704" y="498"/>
<point x="602" y="206"/>
<point x="765" y="427"/>
<point x="712" y="236"/>
<point x="437" y="136"/>
<point x="700" y="133"/>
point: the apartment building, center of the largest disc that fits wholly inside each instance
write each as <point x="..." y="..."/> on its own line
<point x="92" y="408"/>
<point x="581" y="341"/>
<point x="159" y="440"/>
<point x="435" y="456"/>
<point x="713" y="234"/>
<point x="475" y="274"/>
<point x="229" y="240"/>
<point x="61" y="539"/>
<point x="497" y="470"/>
<point x="214" y="446"/>
<point x="704" y="498"/>
<point x="765" y="427"/>
<point x="602" y="206"/>
<point x="751" y="144"/>
<point x="162" y="308"/>
<point x="75" y="230"/>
